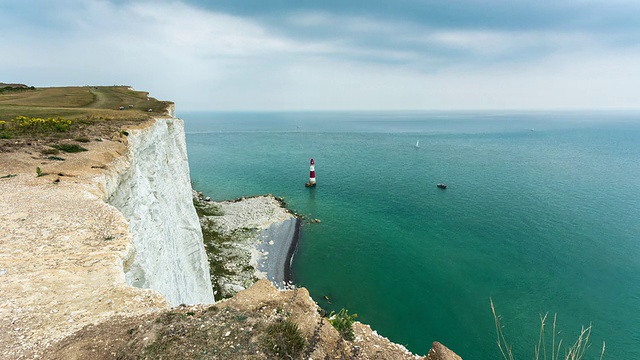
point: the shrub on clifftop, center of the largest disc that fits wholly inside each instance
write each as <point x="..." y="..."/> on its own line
<point x="69" y="148"/>
<point x="36" y="124"/>
<point x="283" y="339"/>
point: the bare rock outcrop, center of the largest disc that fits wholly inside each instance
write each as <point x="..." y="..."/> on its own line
<point x="235" y="328"/>
<point x="441" y="352"/>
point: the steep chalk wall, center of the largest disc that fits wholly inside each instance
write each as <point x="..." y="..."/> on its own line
<point x="152" y="188"/>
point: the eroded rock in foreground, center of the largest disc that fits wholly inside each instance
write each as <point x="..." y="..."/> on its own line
<point x="237" y="328"/>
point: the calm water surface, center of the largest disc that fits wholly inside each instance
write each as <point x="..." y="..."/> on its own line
<point x="541" y="214"/>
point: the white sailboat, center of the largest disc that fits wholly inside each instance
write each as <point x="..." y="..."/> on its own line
<point x="418" y="144"/>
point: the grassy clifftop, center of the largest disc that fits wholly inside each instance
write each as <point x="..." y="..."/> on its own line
<point x="47" y="114"/>
<point x="100" y="102"/>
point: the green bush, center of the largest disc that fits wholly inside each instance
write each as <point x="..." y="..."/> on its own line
<point x="283" y="339"/>
<point x="343" y="322"/>
<point x="15" y="89"/>
<point x="50" y="152"/>
<point x="69" y="148"/>
<point x="207" y="209"/>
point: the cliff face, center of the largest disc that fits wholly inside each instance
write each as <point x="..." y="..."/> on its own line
<point x="151" y="186"/>
<point x="69" y="259"/>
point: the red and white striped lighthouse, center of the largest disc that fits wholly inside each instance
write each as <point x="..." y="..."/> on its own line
<point x="312" y="174"/>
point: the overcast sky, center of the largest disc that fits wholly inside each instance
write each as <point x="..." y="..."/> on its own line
<point x="334" y="54"/>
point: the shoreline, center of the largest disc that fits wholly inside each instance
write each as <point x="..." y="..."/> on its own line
<point x="276" y="248"/>
<point x="293" y="247"/>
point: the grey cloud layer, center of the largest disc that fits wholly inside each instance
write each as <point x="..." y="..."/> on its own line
<point x="342" y="55"/>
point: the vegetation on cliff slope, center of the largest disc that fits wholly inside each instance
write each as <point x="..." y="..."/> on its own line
<point x="343" y="322"/>
<point x="228" y="254"/>
<point x="259" y="323"/>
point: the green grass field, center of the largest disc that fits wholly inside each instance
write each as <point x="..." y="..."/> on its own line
<point x="91" y="111"/>
<point x="86" y="102"/>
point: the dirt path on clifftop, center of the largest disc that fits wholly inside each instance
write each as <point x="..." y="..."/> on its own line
<point x="99" y="98"/>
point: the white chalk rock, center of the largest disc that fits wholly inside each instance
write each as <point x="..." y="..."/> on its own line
<point x="152" y="188"/>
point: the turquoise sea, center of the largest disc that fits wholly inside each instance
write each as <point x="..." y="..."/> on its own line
<point x="541" y="214"/>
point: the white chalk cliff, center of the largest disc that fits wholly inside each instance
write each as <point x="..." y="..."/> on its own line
<point x="152" y="188"/>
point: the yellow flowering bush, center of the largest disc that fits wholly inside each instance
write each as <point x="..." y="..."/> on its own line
<point x="33" y="124"/>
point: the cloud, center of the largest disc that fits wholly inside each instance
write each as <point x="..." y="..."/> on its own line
<point x="139" y="42"/>
<point x="559" y="83"/>
<point x="297" y="60"/>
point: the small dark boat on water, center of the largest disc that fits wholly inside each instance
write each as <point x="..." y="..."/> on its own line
<point x="442" y="186"/>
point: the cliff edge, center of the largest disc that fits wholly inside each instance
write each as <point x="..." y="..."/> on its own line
<point x="70" y="259"/>
<point x="151" y="187"/>
<point x="97" y="248"/>
<point x="237" y="328"/>
<point x="63" y="249"/>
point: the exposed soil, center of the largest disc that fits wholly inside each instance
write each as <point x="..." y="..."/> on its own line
<point x="232" y="329"/>
<point x="86" y="130"/>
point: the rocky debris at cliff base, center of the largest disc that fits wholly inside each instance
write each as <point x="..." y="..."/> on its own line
<point x="231" y="329"/>
<point x="250" y="212"/>
<point x="246" y="239"/>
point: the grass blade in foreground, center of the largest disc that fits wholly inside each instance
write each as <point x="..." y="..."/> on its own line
<point x="574" y="352"/>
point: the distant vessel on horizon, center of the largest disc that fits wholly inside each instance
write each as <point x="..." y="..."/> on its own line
<point x="417" y="144"/>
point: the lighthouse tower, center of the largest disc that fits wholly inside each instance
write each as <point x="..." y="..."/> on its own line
<point x="312" y="174"/>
